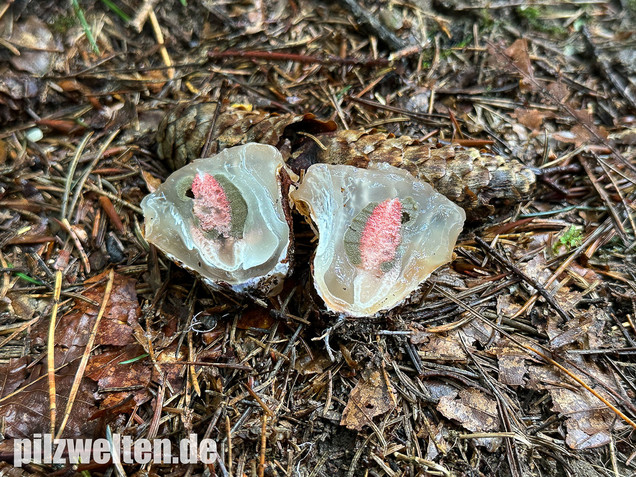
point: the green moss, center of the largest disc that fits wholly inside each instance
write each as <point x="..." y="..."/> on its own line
<point x="63" y="23"/>
<point x="572" y="238"/>
<point x="535" y="18"/>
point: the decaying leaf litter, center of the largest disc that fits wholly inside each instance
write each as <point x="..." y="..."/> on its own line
<point x="515" y="359"/>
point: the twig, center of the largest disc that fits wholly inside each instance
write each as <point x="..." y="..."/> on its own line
<point x="605" y="198"/>
<point x="207" y="145"/>
<point x="542" y="291"/>
<point x="299" y="58"/>
<point x="114" y="198"/>
<point x="51" y="349"/>
<point x="112" y="214"/>
<point x="160" y="41"/>
<point x="228" y="433"/>
<point x="258" y="399"/>
<point x="87" y="352"/>
<point x="78" y="244"/>
<point x="421" y="117"/>
<point x="261" y="463"/>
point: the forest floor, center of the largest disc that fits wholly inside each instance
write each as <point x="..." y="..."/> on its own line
<point x="516" y="359"/>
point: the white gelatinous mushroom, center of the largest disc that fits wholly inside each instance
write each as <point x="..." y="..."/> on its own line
<point x="381" y="231"/>
<point x="226" y="217"/>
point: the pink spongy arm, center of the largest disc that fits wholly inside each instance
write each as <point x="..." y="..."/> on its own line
<point x="382" y="234"/>
<point x="211" y="204"/>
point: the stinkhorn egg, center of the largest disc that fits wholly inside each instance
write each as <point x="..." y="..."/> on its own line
<point x="382" y="232"/>
<point x="225" y="218"/>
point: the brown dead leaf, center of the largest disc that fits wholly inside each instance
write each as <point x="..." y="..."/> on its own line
<point x="13" y="374"/>
<point x="581" y="133"/>
<point x="27" y="411"/>
<point x="585" y="330"/>
<point x="559" y="90"/>
<point x="109" y="370"/>
<point x="588" y="422"/>
<point x="371" y="397"/>
<point x="531" y="118"/>
<point x="474" y="411"/>
<point x="506" y="305"/>
<point x="121" y="368"/>
<point x="511" y="360"/>
<point x="74" y="328"/>
<point x="152" y="182"/>
<point x="518" y="53"/>
<point x="315" y="363"/>
<point x="439" y="347"/>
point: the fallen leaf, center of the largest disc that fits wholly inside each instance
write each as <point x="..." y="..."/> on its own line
<point x="36" y="44"/>
<point x="74" y="328"/>
<point x="369" y="398"/>
<point x="472" y="409"/>
<point x="531" y="118"/>
<point x="587" y="420"/>
<point x="27" y="411"/>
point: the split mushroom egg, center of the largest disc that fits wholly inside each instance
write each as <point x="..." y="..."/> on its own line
<point x="381" y="231"/>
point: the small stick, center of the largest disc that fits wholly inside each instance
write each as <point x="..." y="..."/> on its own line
<point x="282" y="56"/>
<point x="51" y="348"/>
<point x="602" y="193"/>
<point x="30" y="239"/>
<point x="329" y="394"/>
<point x="473" y="142"/>
<point x="162" y="46"/>
<point x="87" y="352"/>
<point x="114" y="198"/>
<point x="542" y="291"/>
<point x="261" y="465"/>
<point x="258" y="400"/>
<point x="207" y="145"/>
<point x="228" y="430"/>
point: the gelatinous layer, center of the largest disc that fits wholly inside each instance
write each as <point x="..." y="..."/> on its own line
<point x="224" y="218"/>
<point x="381" y="233"/>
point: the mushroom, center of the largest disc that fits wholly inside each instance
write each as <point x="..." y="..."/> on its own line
<point x="382" y="232"/>
<point x="226" y="217"/>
